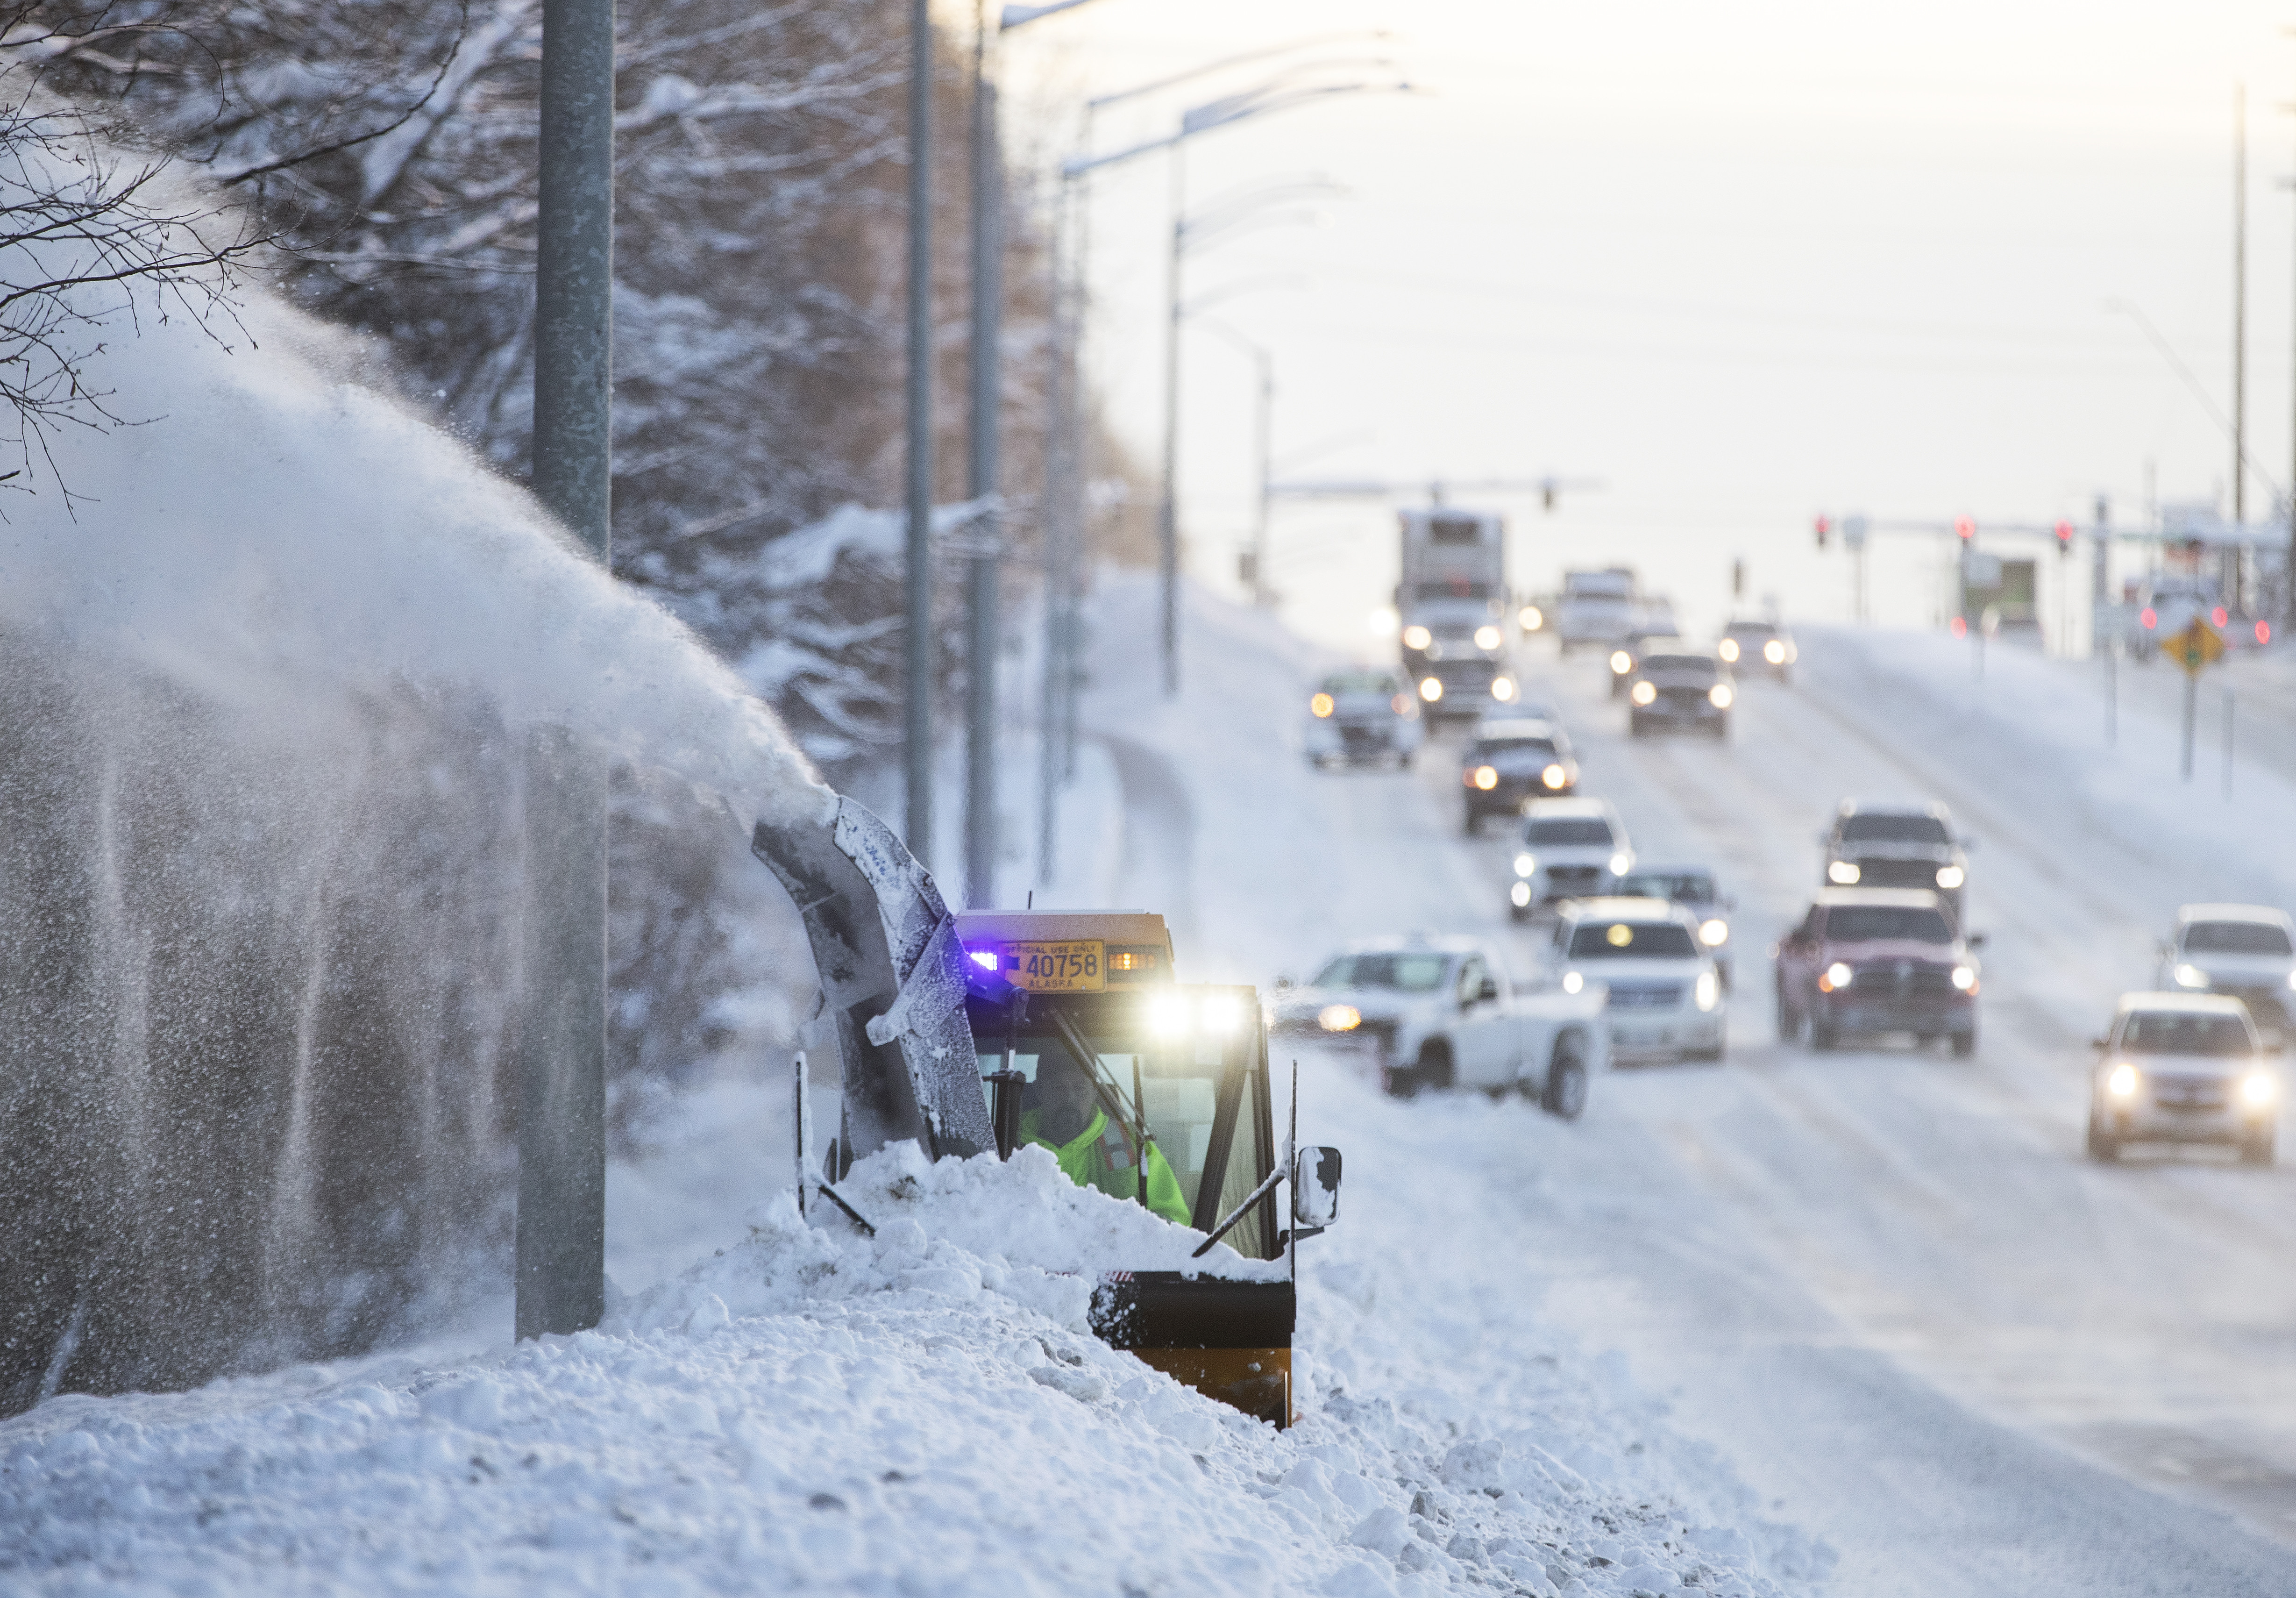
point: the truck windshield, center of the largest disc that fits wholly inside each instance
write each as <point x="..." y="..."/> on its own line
<point x="1560" y="832"/>
<point x="1870" y="828"/>
<point x="2235" y="937"/>
<point x="1886" y="923"/>
<point x="1201" y="1105"/>
<point x="1401" y="973"/>
<point x="1632" y="940"/>
<point x="2174" y="1032"/>
<point x="1454" y="587"/>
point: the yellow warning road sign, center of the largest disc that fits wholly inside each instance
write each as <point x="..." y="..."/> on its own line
<point x="2196" y="648"/>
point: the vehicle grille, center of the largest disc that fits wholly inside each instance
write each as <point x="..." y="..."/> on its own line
<point x="1643" y="997"/>
<point x="1897" y="874"/>
<point x="1357" y="734"/>
<point x="1685" y="702"/>
<point x="2171" y="1093"/>
<point x="1893" y="982"/>
<point x="1574" y="879"/>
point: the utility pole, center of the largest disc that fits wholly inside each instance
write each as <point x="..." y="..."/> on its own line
<point x="560" y="1228"/>
<point x="2239" y="305"/>
<point x="1262" y="595"/>
<point x="1168" y="516"/>
<point x="917" y="641"/>
<point x="982" y="482"/>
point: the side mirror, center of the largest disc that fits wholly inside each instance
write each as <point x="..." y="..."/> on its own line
<point x="1314" y="1188"/>
<point x="2100" y="1044"/>
<point x="1975" y="940"/>
<point x="1489" y="990"/>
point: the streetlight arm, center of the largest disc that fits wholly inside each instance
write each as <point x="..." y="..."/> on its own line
<point x="1192" y="73"/>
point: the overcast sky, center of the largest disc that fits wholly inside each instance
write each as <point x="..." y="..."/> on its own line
<point x="1740" y="264"/>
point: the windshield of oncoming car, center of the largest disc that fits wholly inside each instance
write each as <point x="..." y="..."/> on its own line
<point x="2181" y="1032"/>
<point x="1884" y="829"/>
<point x="1560" y="832"/>
<point x="1875" y="923"/>
<point x="2235" y="937"/>
<point x="1693" y="665"/>
<point x="1760" y="630"/>
<point x="1632" y="940"/>
<point x="1488" y="747"/>
<point x="1403" y="973"/>
<point x="1360" y="682"/>
<point x="1687" y="887"/>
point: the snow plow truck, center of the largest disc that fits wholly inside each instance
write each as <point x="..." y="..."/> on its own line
<point x="977" y="1031"/>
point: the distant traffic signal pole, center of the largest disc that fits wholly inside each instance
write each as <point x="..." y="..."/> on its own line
<point x="917" y="639"/>
<point x="560" y="1228"/>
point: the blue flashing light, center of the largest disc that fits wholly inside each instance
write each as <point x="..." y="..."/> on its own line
<point x="986" y="958"/>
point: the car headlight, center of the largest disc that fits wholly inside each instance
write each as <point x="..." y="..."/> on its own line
<point x="2190" y="976"/>
<point x="1621" y="662"/>
<point x="1320" y="705"/>
<point x="1519" y="895"/>
<point x="1487" y="638"/>
<point x="1643" y="693"/>
<point x="1502" y="688"/>
<point x="1727" y="649"/>
<point x="1708" y="992"/>
<point x="1572" y="982"/>
<point x="1531" y="618"/>
<point x="1965" y="977"/>
<point x="1951" y="876"/>
<point x="2122" y="1080"/>
<point x="1167" y="1015"/>
<point x="1338" y="1017"/>
<point x="1841" y="871"/>
<point x="1774" y="652"/>
<point x="1618" y="864"/>
<point x="1430" y="688"/>
<point x="1486" y="777"/>
<point x="2258" y="1088"/>
<point x="1714" y="934"/>
<point x="1525" y="864"/>
<point x="1415" y="638"/>
<point x="1721" y="696"/>
<point x="1554" y="777"/>
<point x="1835" y="975"/>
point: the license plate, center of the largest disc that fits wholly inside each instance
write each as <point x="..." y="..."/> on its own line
<point x="1068" y="968"/>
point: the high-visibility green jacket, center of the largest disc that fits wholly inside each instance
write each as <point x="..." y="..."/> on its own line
<point x="1099" y="1157"/>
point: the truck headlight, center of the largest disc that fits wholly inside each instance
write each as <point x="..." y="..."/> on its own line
<point x="1338" y="1017"/>
<point x="1721" y="696"/>
<point x="2190" y="976"/>
<point x="1486" y="777"/>
<point x="1727" y="649"/>
<point x="1320" y="706"/>
<point x="1621" y="662"/>
<point x="1531" y="618"/>
<point x="1487" y="638"/>
<point x="1572" y="982"/>
<point x="2121" y="1082"/>
<point x="1519" y="895"/>
<point x="2258" y="1088"/>
<point x="1525" y="864"/>
<point x="1502" y="688"/>
<point x="1714" y="934"/>
<point x="1951" y="876"/>
<point x="1774" y="652"/>
<point x="1841" y="871"/>
<point x="1708" y="990"/>
<point x="1415" y="638"/>
<point x="1430" y="688"/>
<point x="1618" y="864"/>
<point x="1835" y="975"/>
<point x="1965" y="977"/>
<point x="1643" y="693"/>
<point x="1554" y="777"/>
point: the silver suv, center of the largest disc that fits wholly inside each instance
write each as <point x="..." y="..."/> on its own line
<point x="2243" y="952"/>
<point x="1567" y="849"/>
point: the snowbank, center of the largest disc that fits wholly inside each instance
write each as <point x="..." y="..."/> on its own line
<point x="924" y="1411"/>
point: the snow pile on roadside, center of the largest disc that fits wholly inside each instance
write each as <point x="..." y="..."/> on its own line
<point x="921" y="1411"/>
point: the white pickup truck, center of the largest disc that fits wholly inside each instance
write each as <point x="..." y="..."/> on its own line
<point x="1438" y="1012"/>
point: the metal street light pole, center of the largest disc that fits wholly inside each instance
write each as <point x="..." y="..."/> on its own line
<point x="561" y="1227"/>
<point x="981" y="484"/>
<point x="917" y="641"/>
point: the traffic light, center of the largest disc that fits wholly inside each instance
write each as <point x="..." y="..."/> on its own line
<point x="1964" y="528"/>
<point x="1821" y="532"/>
<point x="2064" y="538"/>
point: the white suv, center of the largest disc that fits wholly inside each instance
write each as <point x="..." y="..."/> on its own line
<point x="2243" y="952"/>
<point x="1665" y="991"/>
<point x="1567" y="849"/>
<point x="2182" y="1068"/>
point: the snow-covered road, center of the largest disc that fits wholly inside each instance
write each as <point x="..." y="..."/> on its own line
<point x="1886" y="1285"/>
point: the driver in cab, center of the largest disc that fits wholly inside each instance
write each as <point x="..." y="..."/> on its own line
<point x="1060" y="1111"/>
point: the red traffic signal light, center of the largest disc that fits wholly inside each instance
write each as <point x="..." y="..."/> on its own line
<point x="1821" y="532"/>
<point x="2064" y="538"/>
<point x="1964" y="528"/>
